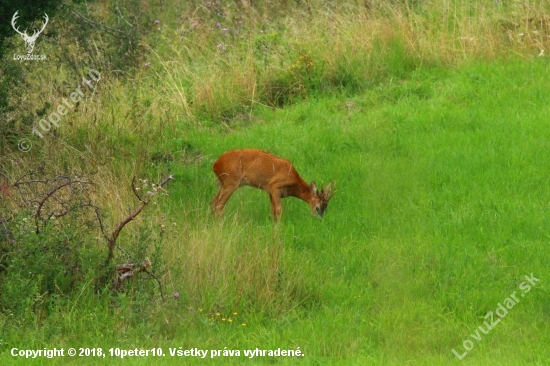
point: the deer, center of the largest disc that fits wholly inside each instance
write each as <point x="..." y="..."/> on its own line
<point x="29" y="40"/>
<point x="263" y="170"/>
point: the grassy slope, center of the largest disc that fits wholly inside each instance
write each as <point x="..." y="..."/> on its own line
<point x="440" y="212"/>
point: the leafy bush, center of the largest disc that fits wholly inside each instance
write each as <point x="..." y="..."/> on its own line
<point x="54" y="244"/>
<point x="37" y="265"/>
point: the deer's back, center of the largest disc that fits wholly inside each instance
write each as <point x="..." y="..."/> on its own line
<point x="254" y="167"/>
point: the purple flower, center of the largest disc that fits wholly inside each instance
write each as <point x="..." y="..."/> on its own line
<point x="218" y="25"/>
<point x="157" y="21"/>
<point x="176" y="295"/>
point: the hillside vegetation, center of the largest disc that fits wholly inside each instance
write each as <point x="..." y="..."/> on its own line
<point x="431" y="117"/>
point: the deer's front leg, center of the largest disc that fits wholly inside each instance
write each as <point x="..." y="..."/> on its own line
<point x="276" y="207"/>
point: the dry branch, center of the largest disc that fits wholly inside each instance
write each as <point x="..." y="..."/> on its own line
<point x="111" y="241"/>
<point x="58" y="196"/>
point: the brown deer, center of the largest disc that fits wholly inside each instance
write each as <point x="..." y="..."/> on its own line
<point x="275" y="175"/>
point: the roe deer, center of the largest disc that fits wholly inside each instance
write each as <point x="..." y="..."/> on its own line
<point x="276" y="176"/>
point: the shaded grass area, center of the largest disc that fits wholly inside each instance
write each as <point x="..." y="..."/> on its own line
<point x="441" y="211"/>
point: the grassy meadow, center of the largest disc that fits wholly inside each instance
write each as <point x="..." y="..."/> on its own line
<point x="430" y="117"/>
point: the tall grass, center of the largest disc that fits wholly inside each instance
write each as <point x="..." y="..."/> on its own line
<point x="232" y="266"/>
<point x="327" y="48"/>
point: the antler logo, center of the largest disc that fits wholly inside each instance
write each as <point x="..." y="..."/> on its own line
<point x="29" y="40"/>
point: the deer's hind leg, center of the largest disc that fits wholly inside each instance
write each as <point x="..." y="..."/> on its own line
<point x="227" y="187"/>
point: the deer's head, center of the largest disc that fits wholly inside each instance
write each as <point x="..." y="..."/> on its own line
<point x="320" y="199"/>
<point x="29" y="40"/>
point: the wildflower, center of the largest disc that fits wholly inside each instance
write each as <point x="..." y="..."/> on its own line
<point x="235" y="313"/>
<point x="156" y="21"/>
<point x="176" y="295"/>
<point x="223" y="319"/>
<point x="243" y="324"/>
<point x="218" y="25"/>
<point x="191" y="308"/>
<point x="217" y="314"/>
<point x="230" y="320"/>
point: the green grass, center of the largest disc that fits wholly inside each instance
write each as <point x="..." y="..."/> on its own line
<point x="439" y="214"/>
<point x="441" y="210"/>
<point x="431" y="121"/>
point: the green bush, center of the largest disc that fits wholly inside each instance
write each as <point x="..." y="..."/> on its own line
<point x="37" y="265"/>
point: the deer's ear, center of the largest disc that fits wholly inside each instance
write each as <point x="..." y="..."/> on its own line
<point x="313" y="187"/>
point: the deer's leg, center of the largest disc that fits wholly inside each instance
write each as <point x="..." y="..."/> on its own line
<point x="226" y="190"/>
<point x="276" y="207"/>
